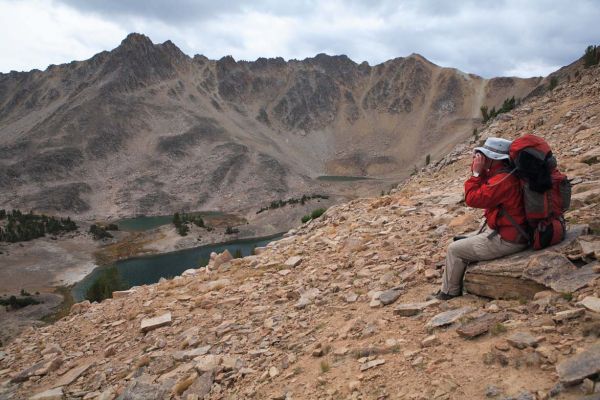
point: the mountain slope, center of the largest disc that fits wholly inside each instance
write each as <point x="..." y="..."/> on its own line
<point x="315" y="327"/>
<point x="146" y="129"/>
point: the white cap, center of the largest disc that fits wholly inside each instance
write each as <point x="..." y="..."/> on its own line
<point x="495" y="148"/>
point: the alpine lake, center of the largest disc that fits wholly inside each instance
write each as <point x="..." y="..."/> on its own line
<point x="343" y="178"/>
<point x="144" y="270"/>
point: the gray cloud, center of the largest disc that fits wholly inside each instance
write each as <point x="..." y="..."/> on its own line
<point x="489" y="38"/>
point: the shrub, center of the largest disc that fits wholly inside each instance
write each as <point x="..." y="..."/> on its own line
<point x="591" y="56"/>
<point x="324" y="366"/>
<point x="199" y="222"/>
<point x="567" y="296"/>
<point x="427" y="159"/>
<point x="183" y="229"/>
<point x="498" y="329"/>
<point x="317" y="213"/>
<point x="99" y="232"/>
<point x="305" y="219"/>
<point x="102" y="288"/>
<point x="230" y="231"/>
<point x="484" y="114"/>
<point x="553" y="83"/>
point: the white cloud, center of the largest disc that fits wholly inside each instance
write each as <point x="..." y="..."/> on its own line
<point x="36" y="34"/>
<point x="504" y="37"/>
<point x="533" y="68"/>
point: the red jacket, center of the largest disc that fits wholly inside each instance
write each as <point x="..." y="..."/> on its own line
<point x="495" y="189"/>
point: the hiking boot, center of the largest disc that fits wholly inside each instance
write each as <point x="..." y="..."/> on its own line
<point x="445" y="296"/>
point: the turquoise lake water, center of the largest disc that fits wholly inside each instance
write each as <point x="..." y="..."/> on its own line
<point x="149" y="269"/>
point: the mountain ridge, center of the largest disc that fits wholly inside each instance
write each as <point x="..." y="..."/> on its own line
<point x="100" y="125"/>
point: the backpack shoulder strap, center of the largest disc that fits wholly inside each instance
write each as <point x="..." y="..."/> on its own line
<point x="514" y="223"/>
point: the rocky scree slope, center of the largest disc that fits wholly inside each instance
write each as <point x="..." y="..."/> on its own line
<point x="146" y="129"/>
<point x="338" y="309"/>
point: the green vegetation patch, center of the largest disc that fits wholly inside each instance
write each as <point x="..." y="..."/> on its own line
<point x="182" y="220"/>
<point x="591" y="56"/>
<point x="101" y="232"/>
<point x="109" y="281"/>
<point x="14" y="302"/>
<point x="314" y="215"/>
<point x="507" y="105"/>
<point x="230" y="230"/>
<point x="21" y="227"/>
<point x="282" y="203"/>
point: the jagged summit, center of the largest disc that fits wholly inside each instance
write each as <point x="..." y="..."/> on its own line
<point x="135" y="39"/>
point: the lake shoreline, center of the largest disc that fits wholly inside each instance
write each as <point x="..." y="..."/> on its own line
<point x="173" y="264"/>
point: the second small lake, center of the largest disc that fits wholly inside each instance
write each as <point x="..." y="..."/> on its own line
<point x="342" y="178"/>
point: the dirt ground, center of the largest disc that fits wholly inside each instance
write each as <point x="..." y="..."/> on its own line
<point x="43" y="264"/>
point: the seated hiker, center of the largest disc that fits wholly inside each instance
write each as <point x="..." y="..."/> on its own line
<point x="493" y="188"/>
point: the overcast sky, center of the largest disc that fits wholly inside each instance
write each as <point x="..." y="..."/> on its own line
<point x="488" y="38"/>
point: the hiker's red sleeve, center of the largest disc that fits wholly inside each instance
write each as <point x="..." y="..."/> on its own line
<point x="480" y="193"/>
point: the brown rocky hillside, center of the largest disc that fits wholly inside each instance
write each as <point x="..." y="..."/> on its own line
<point x="146" y="129"/>
<point x="329" y="311"/>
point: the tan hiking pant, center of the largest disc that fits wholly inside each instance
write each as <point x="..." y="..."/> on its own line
<point x="474" y="248"/>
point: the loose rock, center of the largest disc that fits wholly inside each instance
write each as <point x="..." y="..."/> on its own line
<point x="580" y="366"/>
<point x="149" y="324"/>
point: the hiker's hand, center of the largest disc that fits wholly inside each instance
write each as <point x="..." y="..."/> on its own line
<point x="478" y="163"/>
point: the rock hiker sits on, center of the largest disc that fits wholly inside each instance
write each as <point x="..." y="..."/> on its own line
<point x="493" y="188"/>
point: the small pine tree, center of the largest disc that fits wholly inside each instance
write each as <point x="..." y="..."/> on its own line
<point x="183" y="229"/>
<point x="591" y="56"/>
<point x="484" y="114"/>
<point x="553" y="83"/>
<point x="317" y="213"/>
<point x="230" y="231"/>
<point x="427" y="159"/>
<point x="102" y="288"/>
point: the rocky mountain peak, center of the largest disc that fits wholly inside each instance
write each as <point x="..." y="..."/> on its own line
<point x="136" y="41"/>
